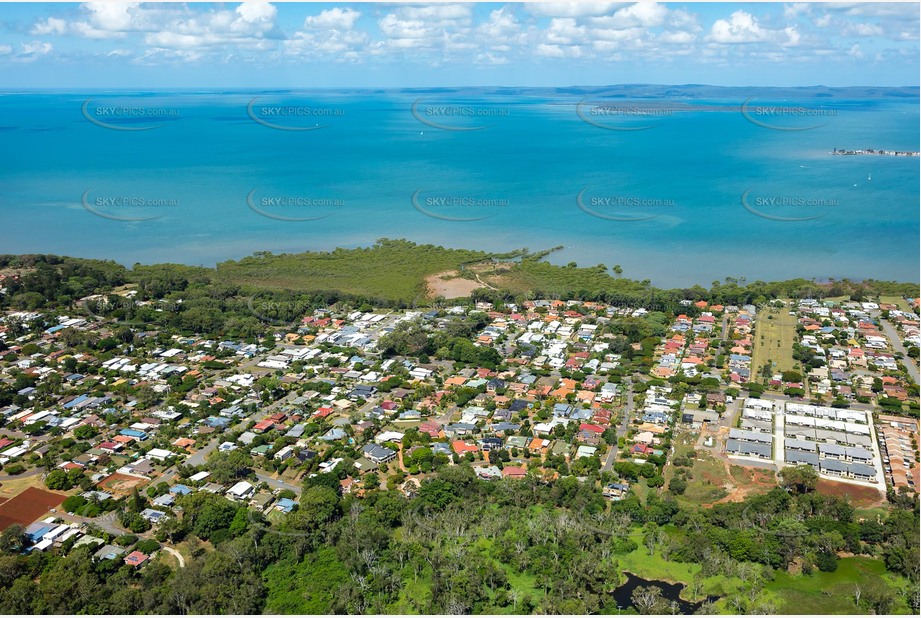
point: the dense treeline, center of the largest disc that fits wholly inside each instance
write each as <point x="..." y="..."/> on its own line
<point x="243" y="298"/>
<point x="462" y="545"/>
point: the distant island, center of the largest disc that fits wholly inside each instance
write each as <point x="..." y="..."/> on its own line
<point x="873" y="151"/>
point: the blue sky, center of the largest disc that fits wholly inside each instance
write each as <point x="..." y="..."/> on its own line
<point x="300" y="45"/>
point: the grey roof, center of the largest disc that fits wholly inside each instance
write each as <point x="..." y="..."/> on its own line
<point x="748" y="448"/>
<point x="751" y="436"/>
<point x="804" y="432"/>
<point x="859" y="440"/>
<point x="858" y="453"/>
<point x="859" y="469"/>
<point x="755" y="424"/>
<point x="376" y="452"/>
<point x="833" y="465"/>
<point x="831" y="449"/>
<point x="799" y="445"/>
<point x="799" y="457"/>
<point x="827" y="434"/>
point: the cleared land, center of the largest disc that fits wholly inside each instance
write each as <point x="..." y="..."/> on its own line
<point x="120" y="484"/>
<point x="714" y="479"/>
<point x="449" y="285"/>
<point x="860" y="496"/>
<point x="775" y="333"/>
<point x="28" y="506"/>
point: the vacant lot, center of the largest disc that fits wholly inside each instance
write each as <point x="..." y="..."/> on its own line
<point x="715" y="480"/>
<point x="449" y="285"/>
<point x="900" y="302"/>
<point x="861" y="497"/>
<point x="120" y="484"/>
<point x="775" y="332"/>
<point x="709" y="479"/>
<point x="8" y="489"/>
<point x="28" y="506"/>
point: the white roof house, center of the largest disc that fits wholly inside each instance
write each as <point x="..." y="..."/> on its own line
<point x="241" y="490"/>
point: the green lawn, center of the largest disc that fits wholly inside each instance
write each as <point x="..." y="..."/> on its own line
<point x="900" y="302"/>
<point x="778" y="329"/>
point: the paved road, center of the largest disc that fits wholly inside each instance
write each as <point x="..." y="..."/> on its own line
<point x="107" y="522"/>
<point x="896" y="341"/>
<point x="24" y="475"/>
<point x="628" y="410"/>
<point x="200" y="456"/>
<point x="622" y="428"/>
<point x="278" y="483"/>
<point x="445" y="418"/>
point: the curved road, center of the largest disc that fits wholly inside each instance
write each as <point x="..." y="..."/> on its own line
<point x="176" y="554"/>
<point x="896" y="341"/>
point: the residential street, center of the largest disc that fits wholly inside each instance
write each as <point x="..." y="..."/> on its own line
<point x="896" y="341"/>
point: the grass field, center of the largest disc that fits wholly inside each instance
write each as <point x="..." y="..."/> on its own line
<point x="396" y="270"/>
<point x="900" y="302"/>
<point x="817" y="593"/>
<point x="8" y="489"/>
<point x="775" y="332"/>
<point x="829" y="593"/>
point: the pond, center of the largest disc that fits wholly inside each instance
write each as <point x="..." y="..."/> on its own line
<point x="670" y="592"/>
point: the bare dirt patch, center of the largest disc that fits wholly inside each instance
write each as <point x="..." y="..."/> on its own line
<point x="121" y="484"/>
<point x="28" y="506"/>
<point x="742" y="482"/>
<point x="449" y="285"/>
<point x="861" y="497"/>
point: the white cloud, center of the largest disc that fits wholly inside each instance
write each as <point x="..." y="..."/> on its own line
<point x="571" y="9"/>
<point x="565" y="31"/>
<point x="335" y="18"/>
<point x="438" y="27"/>
<point x="677" y="38"/>
<point x="253" y="12"/>
<point x="32" y="51"/>
<point x="330" y="33"/>
<point x="741" y="28"/>
<point x="52" y="25"/>
<point x="862" y="29"/>
<point x="177" y="26"/>
<point x="641" y="14"/>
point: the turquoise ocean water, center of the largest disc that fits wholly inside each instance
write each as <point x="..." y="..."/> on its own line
<point x="664" y="202"/>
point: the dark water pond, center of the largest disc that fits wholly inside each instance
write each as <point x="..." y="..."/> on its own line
<point x="670" y="592"/>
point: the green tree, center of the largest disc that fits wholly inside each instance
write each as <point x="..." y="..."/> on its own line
<point x="799" y="479"/>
